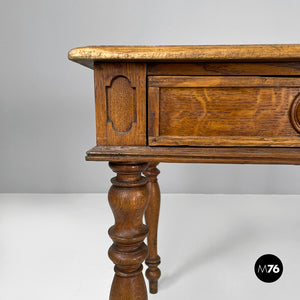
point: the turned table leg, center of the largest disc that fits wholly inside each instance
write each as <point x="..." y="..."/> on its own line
<point x="128" y="200"/>
<point x="151" y="216"/>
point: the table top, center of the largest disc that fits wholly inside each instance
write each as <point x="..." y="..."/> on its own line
<point x="279" y="52"/>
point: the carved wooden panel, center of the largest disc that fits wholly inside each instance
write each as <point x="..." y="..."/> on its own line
<point x="223" y="111"/>
<point x="295" y="113"/>
<point x="120" y="95"/>
<point x="124" y="101"/>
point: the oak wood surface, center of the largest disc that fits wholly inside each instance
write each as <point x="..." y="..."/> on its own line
<point x="222" y="81"/>
<point x="128" y="200"/>
<point x="222" y="111"/>
<point x="120" y="102"/>
<point x="151" y="216"/>
<point x="225" y="68"/>
<point x="241" y="155"/>
<point x="221" y="141"/>
<point x="280" y="52"/>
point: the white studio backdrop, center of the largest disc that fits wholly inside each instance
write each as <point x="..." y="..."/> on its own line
<point x="55" y="246"/>
<point x="47" y="102"/>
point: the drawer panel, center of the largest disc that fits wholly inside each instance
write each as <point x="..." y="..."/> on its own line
<point x="223" y="111"/>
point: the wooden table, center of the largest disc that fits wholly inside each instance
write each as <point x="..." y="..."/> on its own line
<point x="200" y="104"/>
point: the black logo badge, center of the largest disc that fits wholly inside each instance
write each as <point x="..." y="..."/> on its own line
<point x="268" y="268"/>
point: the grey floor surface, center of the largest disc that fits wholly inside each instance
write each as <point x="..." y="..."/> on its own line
<point x="54" y="246"/>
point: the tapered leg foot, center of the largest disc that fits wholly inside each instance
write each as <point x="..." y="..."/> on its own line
<point x="128" y="201"/>
<point x="151" y="216"/>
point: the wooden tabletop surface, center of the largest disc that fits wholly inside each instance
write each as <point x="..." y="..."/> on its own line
<point x="267" y="52"/>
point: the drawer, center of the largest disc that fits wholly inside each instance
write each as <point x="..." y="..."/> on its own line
<point x="223" y="111"/>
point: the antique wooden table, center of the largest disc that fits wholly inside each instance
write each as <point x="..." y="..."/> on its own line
<point x="200" y="104"/>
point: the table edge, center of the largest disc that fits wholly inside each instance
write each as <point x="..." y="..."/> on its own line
<point x="237" y="155"/>
<point x="185" y="53"/>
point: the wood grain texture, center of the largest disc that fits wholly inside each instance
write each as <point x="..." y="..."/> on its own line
<point x="151" y="216"/>
<point x="128" y="200"/>
<point x="88" y="55"/>
<point x="120" y="100"/>
<point x="222" y="81"/>
<point x="235" y="155"/>
<point x="225" y="68"/>
<point x="222" y="111"/>
<point x="153" y="108"/>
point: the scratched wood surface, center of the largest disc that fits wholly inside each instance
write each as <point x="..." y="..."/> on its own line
<point x="232" y="155"/>
<point x="222" y="111"/>
<point x="90" y="54"/>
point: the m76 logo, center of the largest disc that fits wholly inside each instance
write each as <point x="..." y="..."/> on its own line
<point x="268" y="269"/>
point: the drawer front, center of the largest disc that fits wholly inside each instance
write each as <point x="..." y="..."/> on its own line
<point x="223" y="111"/>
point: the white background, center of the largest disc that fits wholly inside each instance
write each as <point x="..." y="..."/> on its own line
<point x="55" y="246"/>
